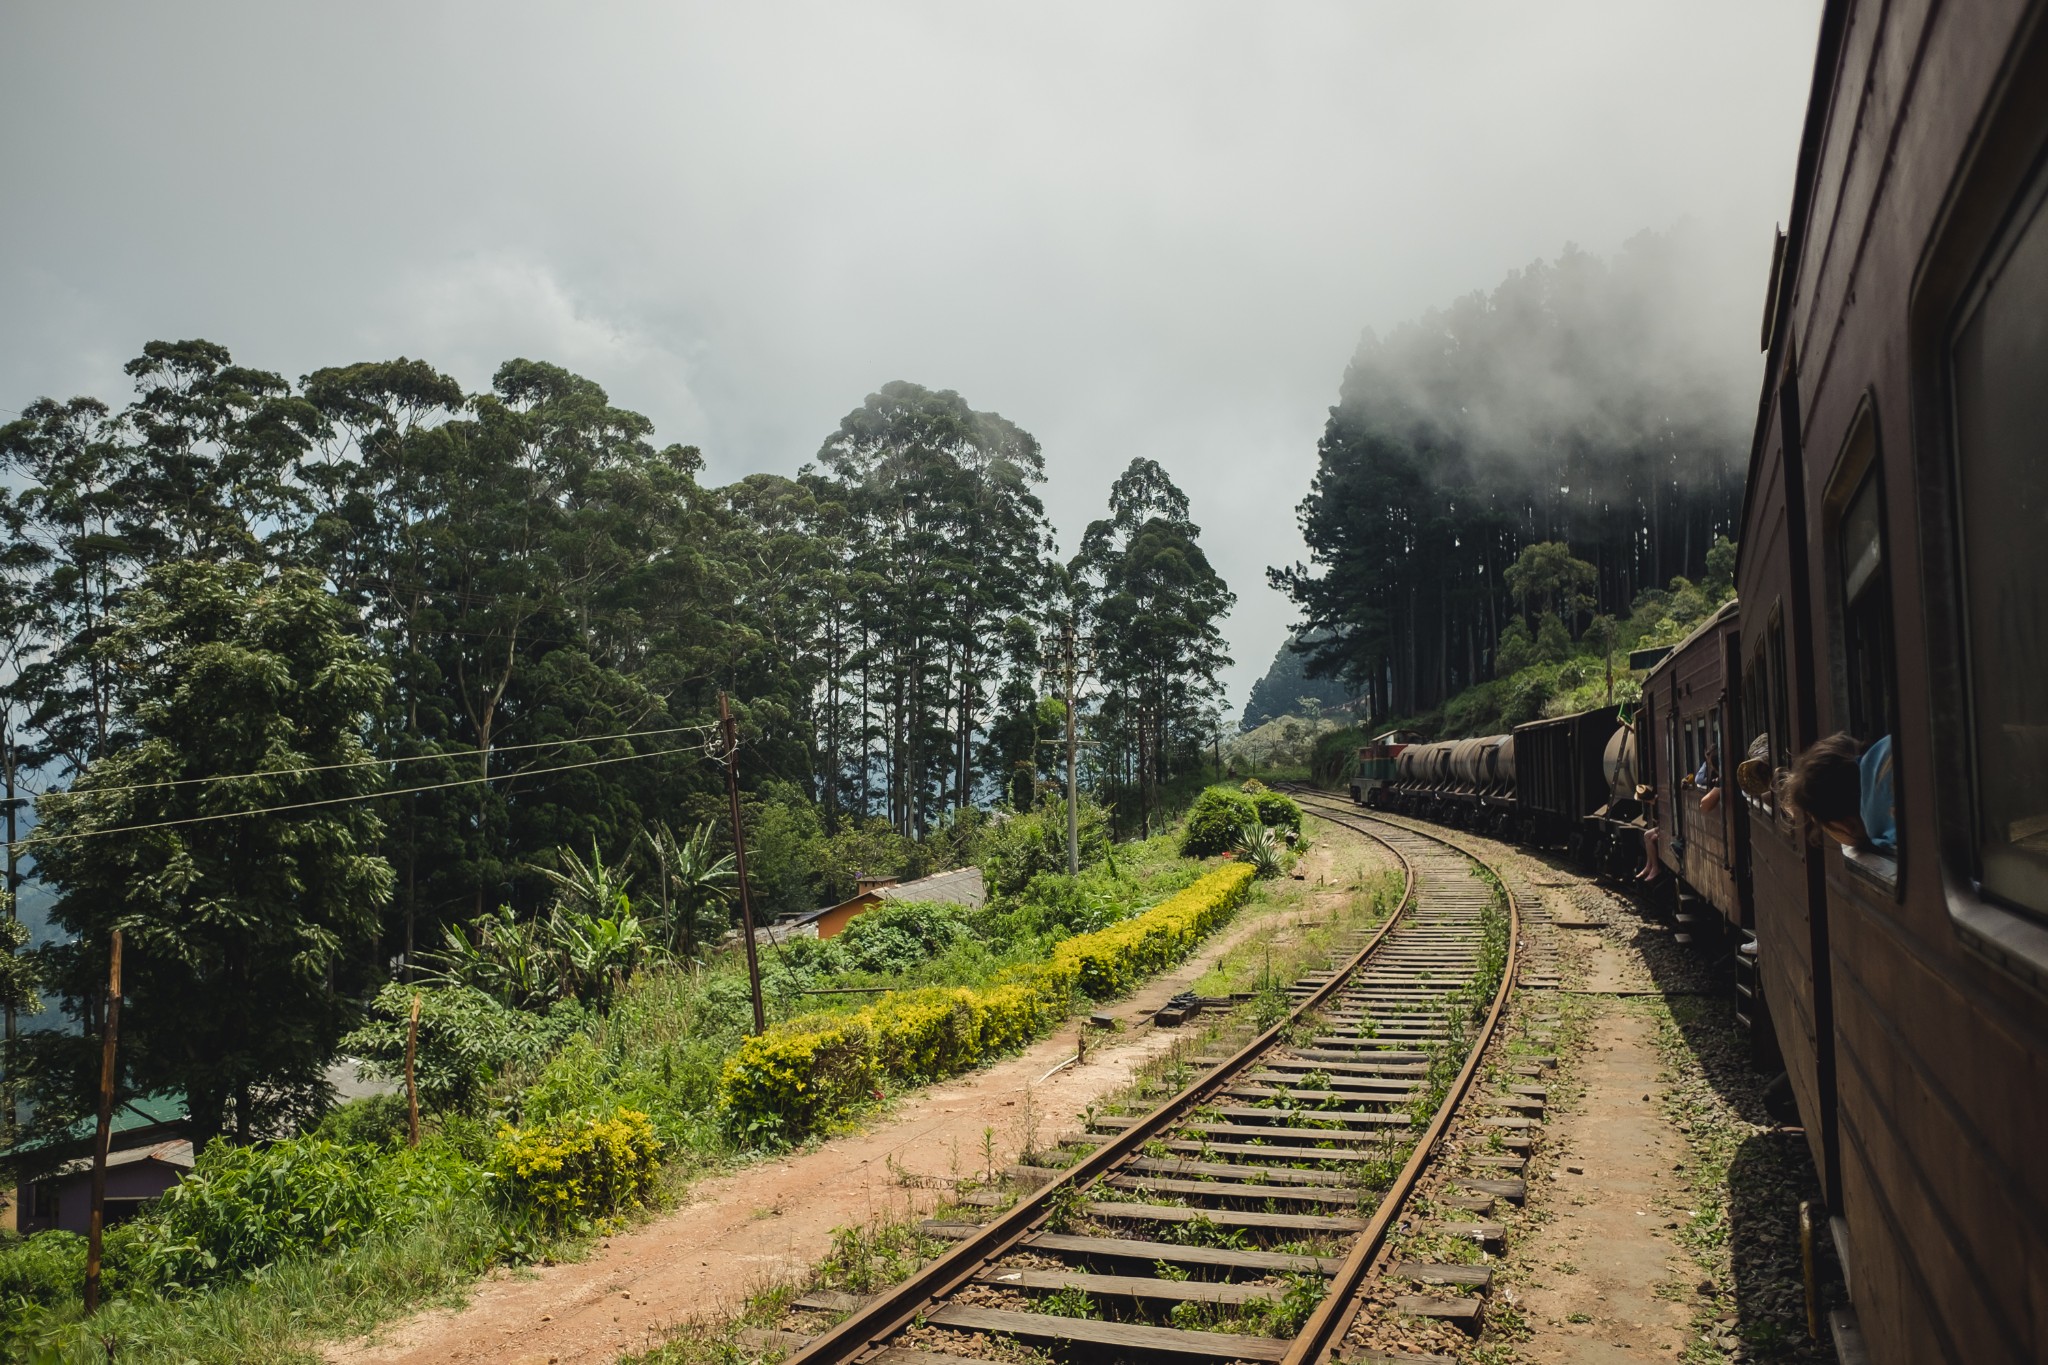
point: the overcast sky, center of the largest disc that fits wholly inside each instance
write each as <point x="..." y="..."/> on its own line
<point x="1133" y="229"/>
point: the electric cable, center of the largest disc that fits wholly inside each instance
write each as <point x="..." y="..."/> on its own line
<point x="37" y="840"/>
<point x="401" y="758"/>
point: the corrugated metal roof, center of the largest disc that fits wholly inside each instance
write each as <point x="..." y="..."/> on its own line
<point x="963" y="886"/>
<point x="176" y="1152"/>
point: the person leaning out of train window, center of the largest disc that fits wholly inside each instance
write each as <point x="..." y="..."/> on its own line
<point x="1708" y="779"/>
<point x="1843" y="789"/>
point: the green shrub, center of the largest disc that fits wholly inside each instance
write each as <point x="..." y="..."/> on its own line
<point x="1277" y="811"/>
<point x="244" y="1207"/>
<point x="895" y="936"/>
<point x="372" y="1121"/>
<point x="1013" y="849"/>
<point x="1214" y="820"/>
<point x="467" y="1039"/>
<point x="1335" y="754"/>
<point x="47" y="1270"/>
<point x="784" y="1084"/>
<point x="564" y="1174"/>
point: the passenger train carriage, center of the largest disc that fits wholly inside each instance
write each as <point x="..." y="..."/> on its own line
<point x="1893" y="577"/>
<point x="1892" y="581"/>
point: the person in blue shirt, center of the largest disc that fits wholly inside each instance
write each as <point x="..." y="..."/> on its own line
<point x="1843" y="789"/>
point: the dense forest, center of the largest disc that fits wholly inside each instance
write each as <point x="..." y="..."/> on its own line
<point x="1575" y="405"/>
<point x="314" y="677"/>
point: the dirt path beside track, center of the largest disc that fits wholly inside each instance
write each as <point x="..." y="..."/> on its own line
<point x="738" y="1233"/>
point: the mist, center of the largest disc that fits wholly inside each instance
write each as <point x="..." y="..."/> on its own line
<point x="1144" y="229"/>
<point x="1580" y="360"/>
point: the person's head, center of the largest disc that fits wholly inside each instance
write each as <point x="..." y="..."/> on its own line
<point x="1825" y="788"/>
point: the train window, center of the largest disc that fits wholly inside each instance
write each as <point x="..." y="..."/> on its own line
<point x="1997" y="357"/>
<point x="1756" y="714"/>
<point x="1781" y="705"/>
<point x="1866" y="606"/>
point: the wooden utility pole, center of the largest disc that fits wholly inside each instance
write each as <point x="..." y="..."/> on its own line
<point x="9" y="769"/>
<point x="412" y="1086"/>
<point x="104" y="1133"/>
<point x="1070" y="680"/>
<point x="739" y="856"/>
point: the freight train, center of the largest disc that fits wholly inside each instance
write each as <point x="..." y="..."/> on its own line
<point x="1567" y="782"/>
<point x="1893" y="583"/>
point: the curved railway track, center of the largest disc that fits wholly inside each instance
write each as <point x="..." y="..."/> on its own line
<point x="1270" y="1176"/>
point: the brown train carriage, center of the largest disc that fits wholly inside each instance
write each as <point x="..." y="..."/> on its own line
<point x="1894" y="581"/>
<point x="1688" y="720"/>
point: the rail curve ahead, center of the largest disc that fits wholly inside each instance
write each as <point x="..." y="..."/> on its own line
<point x="1277" y="1165"/>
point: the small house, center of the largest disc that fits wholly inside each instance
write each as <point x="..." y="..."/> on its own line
<point x="147" y="1153"/>
<point x="962" y="886"/>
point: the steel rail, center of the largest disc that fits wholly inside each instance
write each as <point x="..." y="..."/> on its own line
<point x="869" y="1327"/>
<point x="890" y="1312"/>
<point x="1326" y="1326"/>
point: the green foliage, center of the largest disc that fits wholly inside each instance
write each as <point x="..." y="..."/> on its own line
<point x="1144" y="595"/>
<point x="20" y="976"/>
<point x="379" y="1120"/>
<point x="243" y="1208"/>
<point x="1213" y="821"/>
<point x="1068" y="1303"/>
<point x="247" y="937"/>
<point x="694" y="887"/>
<point x="466" y="1040"/>
<point x="569" y="1172"/>
<point x="1335" y="754"/>
<point x="1015" y="847"/>
<point x="896" y="935"/>
<point x="584" y="947"/>
<point x="808" y="1071"/>
<point x="1287" y="1315"/>
<point x="1256" y="845"/>
<point x="1515" y="650"/>
<point x="47" y="1270"/>
<point x="1548" y="581"/>
<point x="1277" y="811"/>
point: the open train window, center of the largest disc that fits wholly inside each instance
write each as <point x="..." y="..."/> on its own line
<point x="1869" y="671"/>
<point x="1997" y="357"/>
<point x="1756" y="717"/>
<point x="1781" y="697"/>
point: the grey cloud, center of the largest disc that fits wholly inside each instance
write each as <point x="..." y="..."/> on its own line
<point x="1150" y="229"/>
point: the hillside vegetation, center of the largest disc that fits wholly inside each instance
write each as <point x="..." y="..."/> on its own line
<point x="552" y="1112"/>
<point x="1577" y="405"/>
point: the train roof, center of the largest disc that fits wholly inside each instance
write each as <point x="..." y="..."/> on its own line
<point x="1609" y="711"/>
<point x="1706" y="627"/>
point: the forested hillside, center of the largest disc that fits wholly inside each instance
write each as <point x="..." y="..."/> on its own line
<point x="1288" y="690"/>
<point x="317" y="676"/>
<point x="1576" y="404"/>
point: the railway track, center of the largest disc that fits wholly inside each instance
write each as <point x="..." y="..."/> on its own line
<point x="1261" y="1195"/>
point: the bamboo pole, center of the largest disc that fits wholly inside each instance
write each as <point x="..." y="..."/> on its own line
<point x="412" y="1088"/>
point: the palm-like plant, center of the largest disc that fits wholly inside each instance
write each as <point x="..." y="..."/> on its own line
<point x="1256" y="844"/>
<point x="597" y="938"/>
<point x="509" y="960"/>
<point x="695" y="885"/>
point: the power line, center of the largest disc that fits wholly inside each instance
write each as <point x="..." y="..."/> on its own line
<point x="375" y="762"/>
<point x="39" y="840"/>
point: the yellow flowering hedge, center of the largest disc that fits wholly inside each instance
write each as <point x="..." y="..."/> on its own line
<point x="806" y="1071"/>
<point x="574" y="1169"/>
